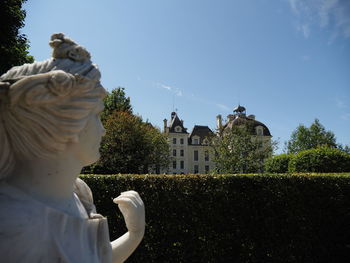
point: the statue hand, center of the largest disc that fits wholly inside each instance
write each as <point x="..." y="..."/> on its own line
<point x="133" y="210"/>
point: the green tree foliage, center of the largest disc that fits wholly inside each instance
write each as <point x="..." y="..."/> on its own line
<point x="321" y="160"/>
<point x="116" y="101"/>
<point x="315" y="136"/>
<point x="278" y="163"/>
<point x="237" y="151"/>
<point x="13" y="45"/>
<point x="131" y="146"/>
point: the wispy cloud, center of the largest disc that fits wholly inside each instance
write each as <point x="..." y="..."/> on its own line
<point x="190" y="96"/>
<point x="306" y="30"/>
<point x="345" y="116"/>
<point x="330" y="14"/>
<point x="223" y="107"/>
<point x="166" y="87"/>
<point x="293" y="5"/>
<point x="306" y="58"/>
<point x="344" y="108"/>
<point x="341" y="104"/>
<point x="176" y="91"/>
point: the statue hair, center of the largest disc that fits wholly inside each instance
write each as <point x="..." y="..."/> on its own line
<point x="45" y="105"/>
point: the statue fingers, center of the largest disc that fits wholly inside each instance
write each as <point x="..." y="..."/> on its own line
<point x="134" y="197"/>
<point x="124" y="201"/>
<point x="135" y="194"/>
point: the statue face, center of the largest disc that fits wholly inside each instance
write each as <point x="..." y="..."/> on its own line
<point x="87" y="149"/>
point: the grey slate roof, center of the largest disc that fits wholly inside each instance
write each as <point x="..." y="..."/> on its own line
<point x="175" y="121"/>
<point x="243" y="120"/>
<point x="201" y="131"/>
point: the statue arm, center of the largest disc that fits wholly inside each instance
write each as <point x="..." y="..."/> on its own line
<point x="131" y="206"/>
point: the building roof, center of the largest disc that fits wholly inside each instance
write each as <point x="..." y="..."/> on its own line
<point x="201" y="131"/>
<point x="243" y="120"/>
<point x="175" y="121"/>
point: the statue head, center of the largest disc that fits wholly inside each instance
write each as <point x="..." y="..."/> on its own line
<point x="44" y="106"/>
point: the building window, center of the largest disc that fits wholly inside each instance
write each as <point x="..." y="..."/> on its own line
<point x="181" y="152"/>
<point x="174" y="164"/>
<point x="174" y="152"/>
<point x="206" y="156"/>
<point x="207" y="169"/>
<point x="196" y="169"/>
<point x="195" y="155"/>
<point x="181" y="141"/>
<point x="182" y="164"/>
<point x="259" y="131"/>
<point x="195" y="141"/>
<point x="174" y="140"/>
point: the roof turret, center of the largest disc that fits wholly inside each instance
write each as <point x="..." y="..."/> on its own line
<point x="176" y="122"/>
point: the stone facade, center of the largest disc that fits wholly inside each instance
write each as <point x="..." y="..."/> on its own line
<point x="190" y="152"/>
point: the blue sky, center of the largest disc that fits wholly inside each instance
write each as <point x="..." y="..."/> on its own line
<point x="286" y="61"/>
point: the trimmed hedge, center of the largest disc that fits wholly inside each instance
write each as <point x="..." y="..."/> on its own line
<point x="277" y="163"/>
<point x="322" y="160"/>
<point x="234" y="218"/>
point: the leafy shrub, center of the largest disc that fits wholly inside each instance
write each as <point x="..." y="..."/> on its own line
<point x="321" y="160"/>
<point x="234" y="218"/>
<point x="277" y="164"/>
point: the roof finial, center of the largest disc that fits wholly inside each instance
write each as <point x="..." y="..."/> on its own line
<point x="173" y="102"/>
<point x="239" y="95"/>
<point x="240" y="110"/>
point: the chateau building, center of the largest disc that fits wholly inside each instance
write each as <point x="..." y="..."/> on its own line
<point x="190" y="152"/>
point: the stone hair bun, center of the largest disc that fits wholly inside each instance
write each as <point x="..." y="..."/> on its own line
<point x="64" y="47"/>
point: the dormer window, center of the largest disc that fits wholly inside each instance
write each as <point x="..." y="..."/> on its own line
<point x="195" y="140"/>
<point x="259" y="131"/>
<point x="178" y="129"/>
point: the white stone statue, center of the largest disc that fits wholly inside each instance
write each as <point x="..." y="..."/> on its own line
<point x="49" y="129"/>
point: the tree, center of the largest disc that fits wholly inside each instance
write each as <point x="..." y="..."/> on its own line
<point x="116" y="101"/>
<point x="238" y="151"/>
<point x="315" y="136"/>
<point x="320" y="160"/>
<point x="13" y="45"/>
<point x="131" y="146"/>
<point x="158" y="156"/>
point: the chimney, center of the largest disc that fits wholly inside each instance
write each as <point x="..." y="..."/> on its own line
<point x="165" y="124"/>
<point x="231" y="117"/>
<point x="219" y="122"/>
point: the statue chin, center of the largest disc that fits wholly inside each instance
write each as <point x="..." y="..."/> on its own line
<point x="92" y="160"/>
